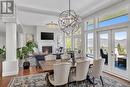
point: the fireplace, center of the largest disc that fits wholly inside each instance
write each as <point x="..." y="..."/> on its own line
<point x="47" y="49"/>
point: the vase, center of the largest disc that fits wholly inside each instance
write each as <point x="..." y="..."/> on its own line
<point x="26" y="65"/>
<point x="73" y="58"/>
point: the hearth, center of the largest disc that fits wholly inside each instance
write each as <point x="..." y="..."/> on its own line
<point x="47" y="49"/>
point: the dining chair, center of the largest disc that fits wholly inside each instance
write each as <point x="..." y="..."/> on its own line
<point x="78" y="54"/>
<point x="65" y="56"/>
<point x="96" y="70"/>
<point x="61" y="74"/>
<point x="50" y="57"/>
<point x="80" y="74"/>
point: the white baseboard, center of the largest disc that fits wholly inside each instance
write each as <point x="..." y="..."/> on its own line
<point x="114" y="74"/>
<point x="10" y="68"/>
<point x="10" y="73"/>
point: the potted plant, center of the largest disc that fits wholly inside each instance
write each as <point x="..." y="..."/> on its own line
<point x="2" y="58"/>
<point x="2" y="54"/>
<point x="24" y="53"/>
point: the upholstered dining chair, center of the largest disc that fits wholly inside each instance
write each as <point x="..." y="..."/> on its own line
<point x="78" y="54"/>
<point x="96" y="70"/>
<point x="61" y="74"/>
<point x="50" y="57"/>
<point x="81" y="72"/>
<point x="65" y="56"/>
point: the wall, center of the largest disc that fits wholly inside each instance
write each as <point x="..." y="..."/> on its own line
<point x="26" y="29"/>
<point x="54" y="43"/>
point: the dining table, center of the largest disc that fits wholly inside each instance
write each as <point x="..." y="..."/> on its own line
<point x="48" y="66"/>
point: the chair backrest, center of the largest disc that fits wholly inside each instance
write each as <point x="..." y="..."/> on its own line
<point x="50" y="57"/>
<point x="97" y="67"/>
<point x="101" y="52"/>
<point x="82" y="70"/>
<point x="65" y="56"/>
<point x="61" y="72"/>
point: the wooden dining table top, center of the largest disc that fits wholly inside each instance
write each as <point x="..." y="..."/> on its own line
<point x="48" y="66"/>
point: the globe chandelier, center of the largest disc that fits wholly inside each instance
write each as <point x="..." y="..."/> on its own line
<point x="69" y="21"/>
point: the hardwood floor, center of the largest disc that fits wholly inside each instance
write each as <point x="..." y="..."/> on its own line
<point x="33" y="70"/>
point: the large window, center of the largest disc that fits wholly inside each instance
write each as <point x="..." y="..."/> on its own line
<point x="77" y="43"/>
<point x="90" y="24"/>
<point x="90" y="48"/>
<point x="116" y="18"/>
<point x="73" y="41"/>
<point x="68" y="43"/>
<point x="112" y="21"/>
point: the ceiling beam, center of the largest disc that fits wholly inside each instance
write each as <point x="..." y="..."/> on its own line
<point x="36" y="10"/>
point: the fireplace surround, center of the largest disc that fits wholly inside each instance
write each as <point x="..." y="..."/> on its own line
<point x="47" y="49"/>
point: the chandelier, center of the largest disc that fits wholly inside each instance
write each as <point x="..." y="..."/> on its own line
<point x="69" y="21"/>
<point x="52" y="25"/>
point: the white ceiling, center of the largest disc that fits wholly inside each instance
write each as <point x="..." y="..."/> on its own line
<point x="59" y="5"/>
<point x="29" y="18"/>
<point x="41" y="12"/>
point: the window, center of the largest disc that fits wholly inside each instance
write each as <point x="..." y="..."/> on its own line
<point x="90" y="45"/>
<point x="68" y="43"/>
<point x="112" y="21"/>
<point x="78" y="32"/>
<point x="90" y="24"/>
<point x="77" y="42"/>
<point x="119" y="17"/>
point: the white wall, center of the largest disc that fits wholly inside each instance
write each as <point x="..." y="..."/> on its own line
<point x="26" y="29"/>
<point x="57" y="33"/>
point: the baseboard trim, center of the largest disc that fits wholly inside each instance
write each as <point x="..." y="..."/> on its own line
<point x="118" y="76"/>
<point x="10" y="73"/>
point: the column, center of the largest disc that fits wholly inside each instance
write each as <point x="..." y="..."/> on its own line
<point x="10" y="66"/>
<point x="83" y="41"/>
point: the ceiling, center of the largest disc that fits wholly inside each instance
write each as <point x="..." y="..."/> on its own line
<point x="41" y="12"/>
<point x="59" y="5"/>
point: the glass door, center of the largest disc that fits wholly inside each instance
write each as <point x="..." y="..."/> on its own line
<point x="119" y="51"/>
<point x="104" y="48"/>
<point x="112" y="45"/>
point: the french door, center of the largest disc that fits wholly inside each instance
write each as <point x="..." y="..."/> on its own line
<point x="112" y="45"/>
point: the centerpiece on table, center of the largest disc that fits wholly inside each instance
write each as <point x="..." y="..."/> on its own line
<point x="24" y="52"/>
<point x="71" y="52"/>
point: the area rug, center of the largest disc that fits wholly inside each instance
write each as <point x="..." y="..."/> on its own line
<point x="38" y="80"/>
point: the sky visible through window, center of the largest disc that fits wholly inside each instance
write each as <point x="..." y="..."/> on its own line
<point x="121" y="19"/>
<point x="117" y="20"/>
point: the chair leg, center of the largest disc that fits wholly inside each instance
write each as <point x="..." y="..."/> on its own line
<point x="101" y="80"/>
<point x="77" y="84"/>
<point x="86" y="83"/>
<point x="93" y="82"/>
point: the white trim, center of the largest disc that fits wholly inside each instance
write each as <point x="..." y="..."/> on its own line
<point x="36" y="10"/>
<point x="106" y="9"/>
<point x="10" y="73"/>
